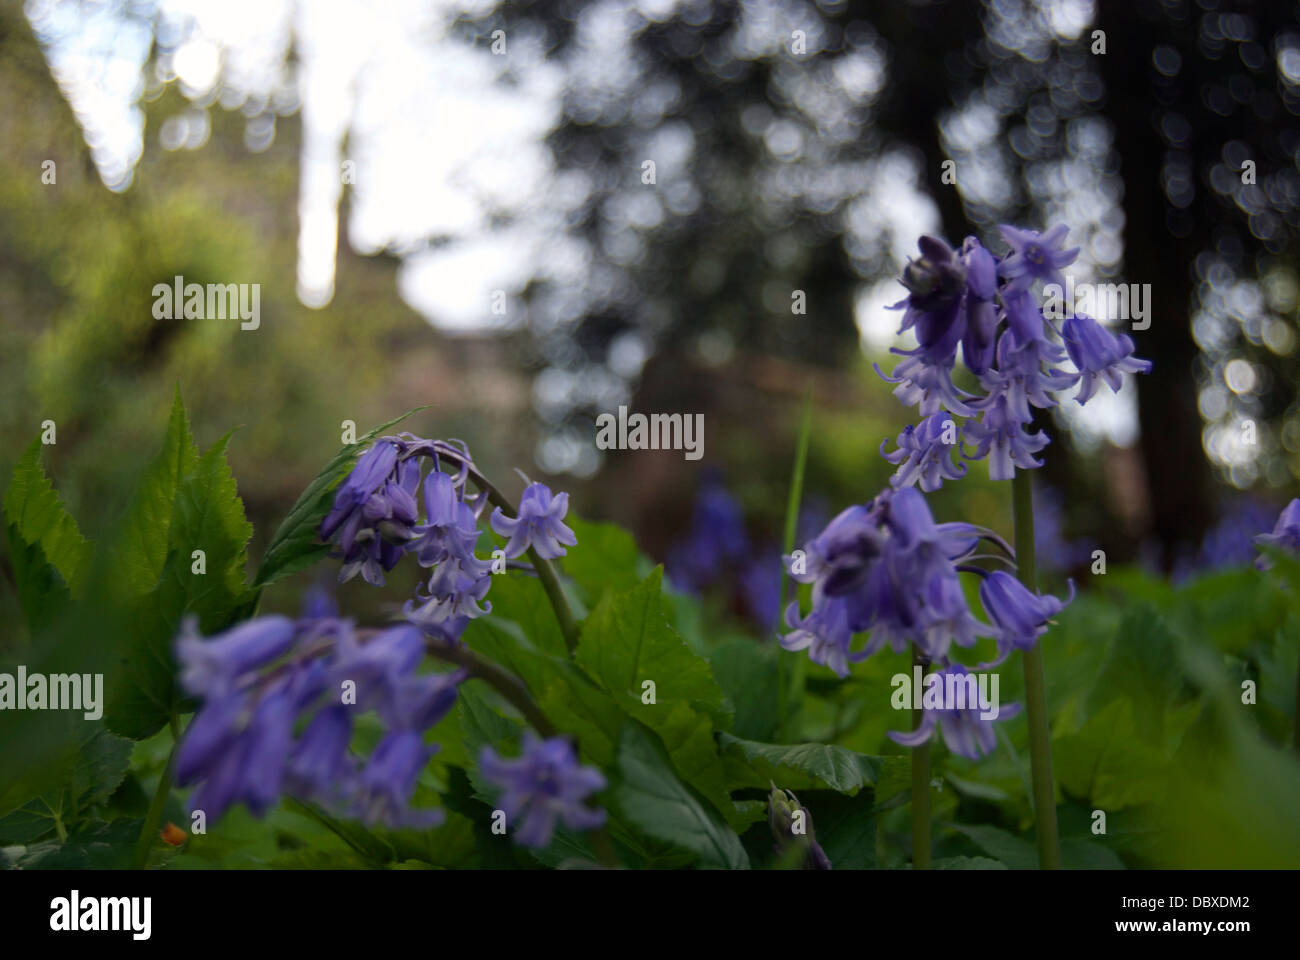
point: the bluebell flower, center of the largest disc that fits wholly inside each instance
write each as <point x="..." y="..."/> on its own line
<point x="760" y="585"/>
<point x="240" y="746"/>
<point x="1020" y="616"/>
<point x="539" y="524"/>
<point x="376" y="666"/>
<point x="544" y="786"/>
<point x="824" y="633"/>
<point x="249" y="767"/>
<point x="455" y="595"/>
<point x="917" y="540"/>
<point x="1000" y="437"/>
<point x="320" y="765"/>
<point x="950" y="302"/>
<point x="384" y="793"/>
<point x="220" y="662"/>
<point x="924" y="454"/>
<point x="1286" y="532"/>
<point x="420" y="701"/>
<point x="450" y="530"/>
<point x="888" y="568"/>
<point x="964" y="731"/>
<point x="1099" y="354"/>
<point x="372" y="471"/>
<point x="374" y="511"/>
<point x="944" y="618"/>
<point x="1035" y="256"/>
<point x="841" y="555"/>
<point x="927" y="386"/>
<point x="1023" y="377"/>
<point x="715" y="541"/>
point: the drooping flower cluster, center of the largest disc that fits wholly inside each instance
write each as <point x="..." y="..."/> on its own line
<point x="375" y="520"/>
<point x="266" y="678"/>
<point x="887" y="569"/>
<point x="973" y="300"/>
<point x="544" y="786"/>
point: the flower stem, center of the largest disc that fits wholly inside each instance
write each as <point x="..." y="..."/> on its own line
<point x="1040" y="746"/>
<point x="514" y="690"/>
<point x="149" y="832"/>
<point x="794" y="684"/>
<point x="505" y="683"/>
<point x="920" y="790"/>
<point x="559" y="603"/>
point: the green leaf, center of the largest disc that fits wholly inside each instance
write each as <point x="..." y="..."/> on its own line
<point x="625" y="643"/>
<point x="648" y="794"/>
<point x="606" y="558"/>
<point x="46" y="550"/>
<point x="1014" y="852"/>
<point x="845" y="827"/>
<point x="96" y="846"/>
<point x="627" y="640"/>
<point x="1138" y="668"/>
<point x="565" y="695"/>
<point x="747" y="673"/>
<point x="967" y="863"/>
<point x="523" y="601"/>
<point x="365" y="844"/>
<point x="1107" y="764"/>
<point x="1089" y="855"/>
<point x="208" y="516"/>
<point x="140" y="551"/>
<point x="803" y="765"/>
<point x="295" y="545"/>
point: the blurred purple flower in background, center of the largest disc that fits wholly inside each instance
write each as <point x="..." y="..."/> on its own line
<point x="544" y="786"/>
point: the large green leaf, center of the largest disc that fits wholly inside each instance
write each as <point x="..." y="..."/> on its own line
<point x="627" y="643"/>
<point x="606" y="558"/>
<point x="208" y="516"/>
<point x="1107" y="764"/>
<point x="565" y="695"/>
<point x="47" y="553"/>
<point x="747" y="672"/>
<point x="295" y="545"/>
<point x="648" y="793"/>
<point x="803" y="765"/>
<point x="140" y="551"/>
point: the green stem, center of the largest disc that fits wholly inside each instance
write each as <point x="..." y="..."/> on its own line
<point x="149" y="832"/>
<point x="920" y="790"/>
<point x="516" y="692"/>
<point x="793" y="684"/>
<point x="1040" y="745"/>
<point x="504" y="682"/>
<point x="559" y="602"/>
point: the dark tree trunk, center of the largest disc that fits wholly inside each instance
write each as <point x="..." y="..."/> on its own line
<point x="1179" y="476"/>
